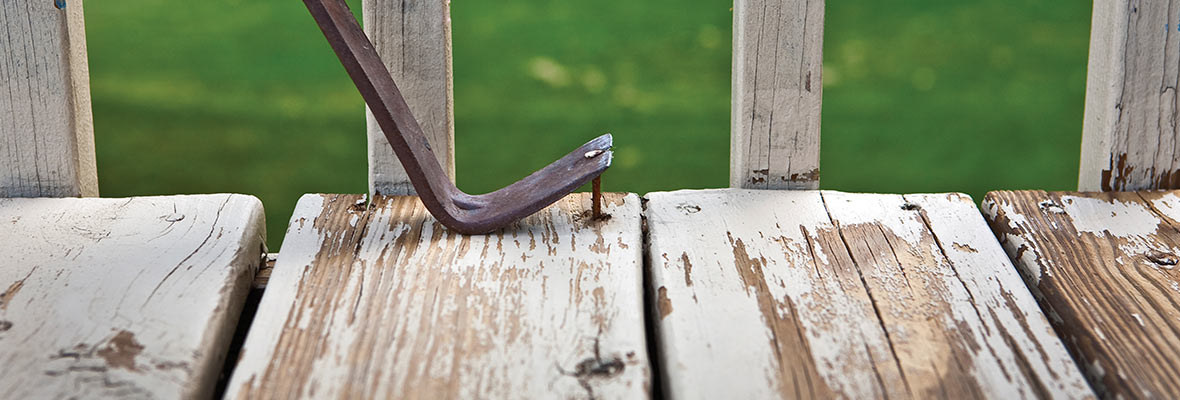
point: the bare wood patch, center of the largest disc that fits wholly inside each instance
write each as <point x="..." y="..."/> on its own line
<point x="123" y="297"/>
<point x="826" y="294"/>
<point x="1103" y="267"/>
<point x="384" y="302"/>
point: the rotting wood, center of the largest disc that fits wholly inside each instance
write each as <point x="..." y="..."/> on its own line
<point x="413" y="38"/>
<point x="777" y="92"/>
<point x="1130" y="127"/>
<point x="46" y="130"/>
<point x="381" y="301"/>
<point x="1103" y="266"/>
<point x="806" y="294"/>
<point x="122" y="298"/>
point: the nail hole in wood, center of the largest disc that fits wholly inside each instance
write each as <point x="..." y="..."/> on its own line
<point x="1163" y="259"/>
<point x="1051" y="207"/>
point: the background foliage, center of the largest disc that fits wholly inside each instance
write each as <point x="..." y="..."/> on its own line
<point x="919" y="96"/>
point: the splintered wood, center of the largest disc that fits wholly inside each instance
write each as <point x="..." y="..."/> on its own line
<point x="122" y="298"/>
<point x="1103" y="265"/>
<point x="45" y="124"/>
<point x="382" y="301"/>
<point x="822" y="294"/>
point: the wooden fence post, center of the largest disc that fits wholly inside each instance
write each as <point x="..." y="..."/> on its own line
<point x="1129" y="134"/>
<point x="777" y="90"/>
<point x="46" y="130"/>
<point x="413" y="37"/>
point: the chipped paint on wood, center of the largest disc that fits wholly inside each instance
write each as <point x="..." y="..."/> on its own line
<point x="1104" y="270"/>
<point x="386" y="303"/>
<point x="112" y="298"/>
<point x="45" y="119"/>
<point x="1130" y="125"/>
<point x="777" y="94"/>
<point x="825" y="294"/>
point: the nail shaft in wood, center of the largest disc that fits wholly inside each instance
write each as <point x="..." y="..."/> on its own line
<point x="597" y="198"/>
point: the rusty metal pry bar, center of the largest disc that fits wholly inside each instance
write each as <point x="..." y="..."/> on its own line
<point x="462" y="212"/>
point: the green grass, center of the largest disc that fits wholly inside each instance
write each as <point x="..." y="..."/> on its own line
<point x="246" y="96"/>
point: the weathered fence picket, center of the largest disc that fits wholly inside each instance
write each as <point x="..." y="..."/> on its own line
<point x="414" y="40"/>
<point x="46" y="129"/>
<point x="777" y="91"/>
<point x="1130" y="127"/>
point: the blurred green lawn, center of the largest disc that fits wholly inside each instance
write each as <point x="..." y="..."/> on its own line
<point x="919" y="96"/>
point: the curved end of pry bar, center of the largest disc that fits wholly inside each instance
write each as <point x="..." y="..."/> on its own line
<point x="470" y="214"/>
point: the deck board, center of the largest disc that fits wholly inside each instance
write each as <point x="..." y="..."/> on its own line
<point x="122" y="298"/>
<point x="1103" y="265"/>
<point x="383" y="302"/>
<point x="802" y="294"/>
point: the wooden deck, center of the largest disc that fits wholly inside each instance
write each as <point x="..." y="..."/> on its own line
<point x="725" y="293"/>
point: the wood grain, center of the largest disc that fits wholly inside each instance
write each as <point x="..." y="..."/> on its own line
<point x="806" y="294"/>
<point x="777" y="91"/>
<point x="46" y="130"/>
<point x="383" y="302"/>
<point x="1103" y="265"/>
<point x="122" y="298"/>
<point x="1130" y="127"/>
<point x="413" y="37"/>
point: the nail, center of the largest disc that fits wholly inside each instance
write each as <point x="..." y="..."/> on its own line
<point x="597" y="197"/>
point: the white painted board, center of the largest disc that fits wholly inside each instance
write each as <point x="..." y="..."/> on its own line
<point x="122" y="298"/>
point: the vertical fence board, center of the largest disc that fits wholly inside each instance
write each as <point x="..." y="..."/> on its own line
<point x="1130" y="127"/>
<point x="777" y="90"/>
<point x="46" y="133"/>
<point x="413" y="37"/>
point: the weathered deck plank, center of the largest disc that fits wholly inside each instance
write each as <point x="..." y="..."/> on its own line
<point x="823" y="294"/>
<point x="383" y="302"/>
<point x="1103" y="265"/>
<point x="122" y="298"/>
